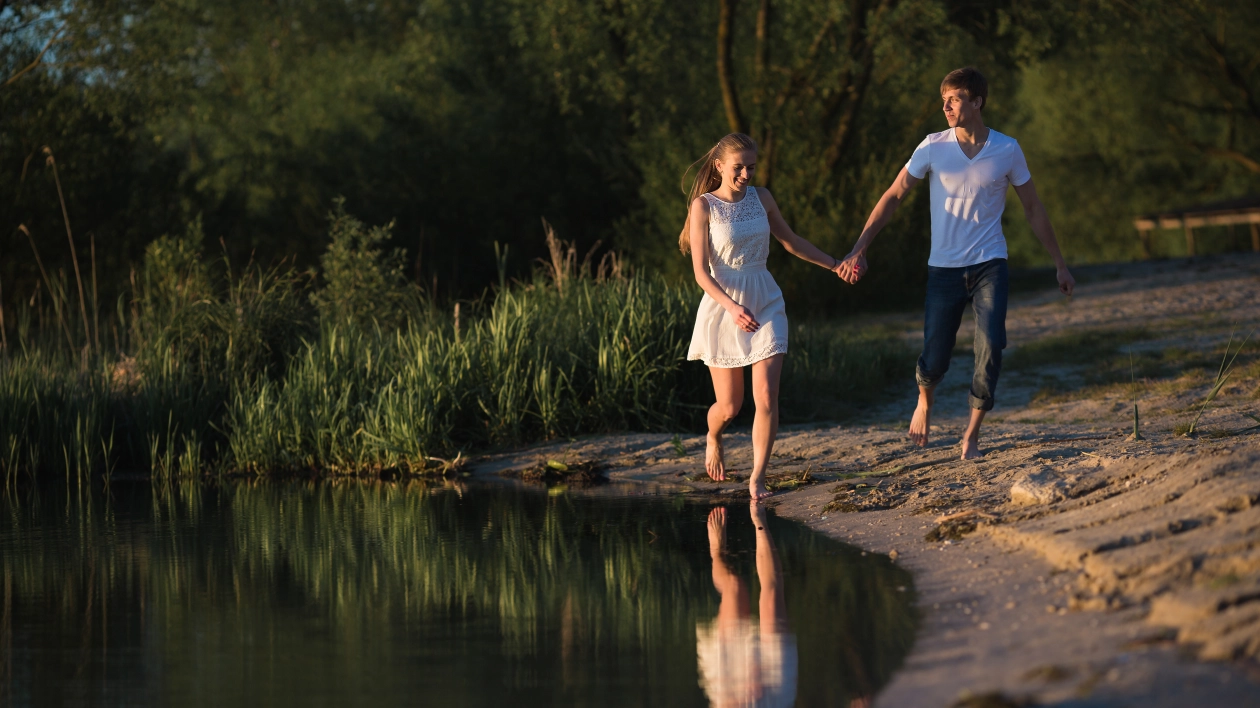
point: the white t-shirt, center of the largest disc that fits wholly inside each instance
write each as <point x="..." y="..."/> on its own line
<point x="968" y="196"/>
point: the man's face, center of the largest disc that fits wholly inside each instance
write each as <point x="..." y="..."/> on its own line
<point x="959" y="107"/>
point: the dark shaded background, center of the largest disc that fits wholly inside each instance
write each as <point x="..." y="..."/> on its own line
<point x="465" y="122"/>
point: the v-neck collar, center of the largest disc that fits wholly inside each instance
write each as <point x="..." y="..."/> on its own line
<point x="953" y="133"/>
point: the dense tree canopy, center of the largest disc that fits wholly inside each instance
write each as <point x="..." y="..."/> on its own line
<point x="466" y="121"/>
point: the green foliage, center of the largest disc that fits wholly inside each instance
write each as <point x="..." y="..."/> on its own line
<point x="53" y="420"/>
<point x="1164" y="99"/>
<point x="540" y="362"/>
<point x="364" y="282"/>
<point x="220" y="370"/>
<point x="463" y="122"/>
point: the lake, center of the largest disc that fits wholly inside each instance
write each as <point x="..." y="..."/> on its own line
<point x="447" y="594"/>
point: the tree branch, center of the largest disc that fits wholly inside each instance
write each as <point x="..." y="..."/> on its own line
<point x="1224" y="153"/>
<point x="797" y="78"/>
<point x="1232" y="74"/>
<point x="763" y="130"/>
<point x="761" y="56"/>
<point x="38" y="59"/>
<point x="1234" y="155"/>
<point x="726" y="73"/>
<point x="862" y="49"/>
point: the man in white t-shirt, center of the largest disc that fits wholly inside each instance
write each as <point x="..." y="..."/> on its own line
<point x="969" y="167"/>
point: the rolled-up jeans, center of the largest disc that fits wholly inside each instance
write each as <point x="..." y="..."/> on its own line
<point x="985" y="286"/>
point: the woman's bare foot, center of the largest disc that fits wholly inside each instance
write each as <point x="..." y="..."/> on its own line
<point x="921" y="422"/>
<point x="713" y="462"/>
<point x="758" y="514"/>
<point x="757" y="487"/>
<point x="717" y="529"/>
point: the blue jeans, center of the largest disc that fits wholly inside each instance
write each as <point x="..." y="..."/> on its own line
<point x="985" y="286"/>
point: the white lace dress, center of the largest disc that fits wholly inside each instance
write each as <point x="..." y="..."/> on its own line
<point x="739" y="242"/>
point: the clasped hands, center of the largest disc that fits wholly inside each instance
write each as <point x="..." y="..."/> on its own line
<point x="852" y="268"/>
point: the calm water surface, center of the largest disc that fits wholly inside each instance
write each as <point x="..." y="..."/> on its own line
<point x="327" y="593"/>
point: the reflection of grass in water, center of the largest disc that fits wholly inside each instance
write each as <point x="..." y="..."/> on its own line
<point x="381" y="562"/>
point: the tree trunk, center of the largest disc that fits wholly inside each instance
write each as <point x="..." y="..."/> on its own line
<point x="726" y="72"/>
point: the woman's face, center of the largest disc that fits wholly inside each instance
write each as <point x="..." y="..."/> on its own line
<point x="737" y="168"/>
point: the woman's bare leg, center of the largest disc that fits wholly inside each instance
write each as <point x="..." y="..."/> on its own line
<point x="733" y="605"/>
<point x="728" y="386"/>
<point x="765" y="376"/>
<point x="773" y="609"/>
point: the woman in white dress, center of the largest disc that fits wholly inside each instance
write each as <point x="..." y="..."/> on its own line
<point x="741" y="321"/>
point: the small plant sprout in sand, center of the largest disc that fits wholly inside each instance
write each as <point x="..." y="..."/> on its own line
<point x="1222" y="376"/>
<point x="679" y="448"/>
<point x="1137" y="429"/>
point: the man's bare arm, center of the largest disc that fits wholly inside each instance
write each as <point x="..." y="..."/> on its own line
<point x="854" y="265"/>
<point x="1039" y="220"/>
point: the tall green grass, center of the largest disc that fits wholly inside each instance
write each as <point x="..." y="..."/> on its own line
<point x="218" y="368"/>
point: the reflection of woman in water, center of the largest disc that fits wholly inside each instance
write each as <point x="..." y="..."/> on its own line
<point x="747" y="662"/>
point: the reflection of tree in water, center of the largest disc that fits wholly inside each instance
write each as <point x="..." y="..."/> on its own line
<point x="327" y="583"/>
<point x="870" y="625"/>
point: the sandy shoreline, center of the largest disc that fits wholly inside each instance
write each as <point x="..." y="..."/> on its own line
<point x="1120" y="572"/>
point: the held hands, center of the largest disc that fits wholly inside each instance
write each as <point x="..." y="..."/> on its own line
<point x="852" y="268"/>
<point x="743" y="317"/>
<point x="1066" y="281"/>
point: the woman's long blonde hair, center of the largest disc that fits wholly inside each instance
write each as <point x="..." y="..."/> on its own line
<point x="708" y="178"/>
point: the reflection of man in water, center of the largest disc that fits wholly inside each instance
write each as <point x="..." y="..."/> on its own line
<point x="746" y="662"/>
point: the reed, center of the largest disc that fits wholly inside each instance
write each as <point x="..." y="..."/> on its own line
<point x="1223" y="374"/>
<point x="51" y="161"/>
<point x="259" y="370"/>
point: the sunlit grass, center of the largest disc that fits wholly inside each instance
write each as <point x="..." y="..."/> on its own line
<point x="258" y="371"/>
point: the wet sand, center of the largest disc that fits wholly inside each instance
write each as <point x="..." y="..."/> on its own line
<point x="1071" y="565"/>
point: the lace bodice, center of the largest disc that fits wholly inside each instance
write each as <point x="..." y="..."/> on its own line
<point x="739" y="233"/>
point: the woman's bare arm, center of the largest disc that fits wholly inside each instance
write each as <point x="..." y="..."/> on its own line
<point x="699" y="227"/>
<point x="794" y="244"/>
<point x="854" y="265"/>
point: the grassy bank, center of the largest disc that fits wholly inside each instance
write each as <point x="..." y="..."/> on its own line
<point x="204" y="367"/>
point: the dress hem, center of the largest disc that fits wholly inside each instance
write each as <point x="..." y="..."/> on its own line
<point x="776" y="347"/>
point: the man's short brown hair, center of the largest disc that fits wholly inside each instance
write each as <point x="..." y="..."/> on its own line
<point x="970" y="80"/>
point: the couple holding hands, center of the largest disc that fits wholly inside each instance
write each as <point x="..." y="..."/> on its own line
<point x="741" y="320"/>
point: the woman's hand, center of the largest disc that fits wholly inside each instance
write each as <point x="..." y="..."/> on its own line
<point x="743" y="318"/>
<point x="852" y="268"/>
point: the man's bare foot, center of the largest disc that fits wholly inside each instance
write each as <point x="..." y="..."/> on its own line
<point x="717" y="529"/>
<point x="757" y="487"/>
<point x="971" y="438"/>
<point x="713" y="462"/>
<point x="921" y="422"/>
<point x="971" y="446"/>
